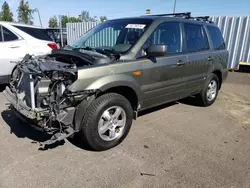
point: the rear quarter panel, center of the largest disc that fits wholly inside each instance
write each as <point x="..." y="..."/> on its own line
<point x="220" y="62"/>
<point x="38" y="47"/>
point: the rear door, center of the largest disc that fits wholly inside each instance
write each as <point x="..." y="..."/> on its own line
<point x="199" y="52"/>
<point x="12" y="48"/>
<point x="164" y="77"/>
<point x="220" y="54"/>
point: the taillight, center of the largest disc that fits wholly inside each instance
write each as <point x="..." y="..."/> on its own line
<point x="53" y="46"/>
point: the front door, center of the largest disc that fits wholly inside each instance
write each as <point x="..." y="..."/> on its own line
<point x="164" y="77"/>
<point x="12" y="49"/>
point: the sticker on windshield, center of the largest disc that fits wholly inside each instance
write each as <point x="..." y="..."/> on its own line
<point x="136" y="26"/>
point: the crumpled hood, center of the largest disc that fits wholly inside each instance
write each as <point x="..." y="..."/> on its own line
<point x="39" y="66"/>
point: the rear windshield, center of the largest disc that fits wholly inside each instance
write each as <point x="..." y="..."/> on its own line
<point x="40" y="34"/>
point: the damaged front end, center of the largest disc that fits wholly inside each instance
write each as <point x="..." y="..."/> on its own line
<point x="39" y="93"/>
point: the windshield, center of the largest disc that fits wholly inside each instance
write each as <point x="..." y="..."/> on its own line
<point x="118" y="35"/>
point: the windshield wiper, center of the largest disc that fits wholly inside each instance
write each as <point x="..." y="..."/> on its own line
<point x="108" y="52"/>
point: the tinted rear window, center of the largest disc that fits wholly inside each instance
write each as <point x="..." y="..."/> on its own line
<point x="40" y="34"/>
<point x="196" y="38"/>
<point x="216" y="37"/>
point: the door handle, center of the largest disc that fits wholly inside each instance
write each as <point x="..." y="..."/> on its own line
<point x="209" y="58"/>
<point x="180" y="63"/>
<point x="14" y="46"/>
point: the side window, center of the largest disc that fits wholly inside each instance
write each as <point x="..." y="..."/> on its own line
<point x="216" y="37"/>
<point x="196" y="38"/>
<point x="168" y="34"/>
<point x="8" y="35"/>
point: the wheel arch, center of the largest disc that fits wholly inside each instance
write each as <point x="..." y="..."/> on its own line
<point x="126" y="91"/>
<point x="218" y="73"/>
<point x="113" y="82"/>
<point x="126" y="87"/>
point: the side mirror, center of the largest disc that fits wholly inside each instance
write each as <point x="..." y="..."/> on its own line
<point x="156" y="50"/>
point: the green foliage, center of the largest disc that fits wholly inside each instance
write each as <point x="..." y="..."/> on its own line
<point x="85" y="17"/>
<point x="103" y="18"/>
<point x="6" y="14"/>
<point x="25" y="13"/>
<point x="53" y="22"/>
<point x="73" y="19"/>
<point x="66" y="19"/>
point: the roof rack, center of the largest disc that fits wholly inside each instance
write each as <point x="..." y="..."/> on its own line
<point x="183" y="14"/>
<point x="186" y="15"/>
<point x="202" y="18"/>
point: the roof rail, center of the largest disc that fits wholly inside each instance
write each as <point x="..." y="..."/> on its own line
<point x="202" y="18"/>
<point x="186" y="15"/>
<point x="183" y="14"/>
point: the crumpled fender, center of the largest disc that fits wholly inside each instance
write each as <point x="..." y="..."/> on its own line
<point x="102" y="84"/>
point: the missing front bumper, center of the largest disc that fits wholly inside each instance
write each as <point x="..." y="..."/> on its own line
<point x="20" y="106"/>
<point x="65" y="116"/>
<point x="31" y="117"/>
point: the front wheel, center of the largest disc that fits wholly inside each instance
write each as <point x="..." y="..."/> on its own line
<point x="210" y="91"/>
<point x="107" y="121"/>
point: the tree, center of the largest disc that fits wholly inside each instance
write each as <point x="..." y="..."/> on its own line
<point x="6" y="14"/>
<point x="64" y="21"/>
<point x="25" y="13"/>
<point x="103" y="18"/>
<point x="53" y="22"/>
<point x="85" y="17"/>
<point x="74" y="19"/>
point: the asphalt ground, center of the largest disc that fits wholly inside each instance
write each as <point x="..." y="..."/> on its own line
<point x="176" y="145"/>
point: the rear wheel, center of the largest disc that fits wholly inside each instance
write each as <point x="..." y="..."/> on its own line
<point x="210" y="91"/>
<point x="107" y="121"/>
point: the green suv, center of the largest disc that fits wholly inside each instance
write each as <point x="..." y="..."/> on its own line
<point x="95" y="87"/>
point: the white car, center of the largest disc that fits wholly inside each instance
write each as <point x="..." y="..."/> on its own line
<point x="17" y="40"/>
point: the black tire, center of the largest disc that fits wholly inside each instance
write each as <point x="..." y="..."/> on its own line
<point x="89" y="132"/>
<point x="203" y="98"/>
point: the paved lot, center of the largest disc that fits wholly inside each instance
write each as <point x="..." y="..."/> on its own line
<point x="181" y="145"/>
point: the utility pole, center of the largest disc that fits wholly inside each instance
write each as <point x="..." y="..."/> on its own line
<point x="38" y="16"/>
<point x="61" y="33"/>
<point x="174" y="6"/>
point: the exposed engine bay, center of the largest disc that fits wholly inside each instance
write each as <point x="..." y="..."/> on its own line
<point x="39" y="90"/>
